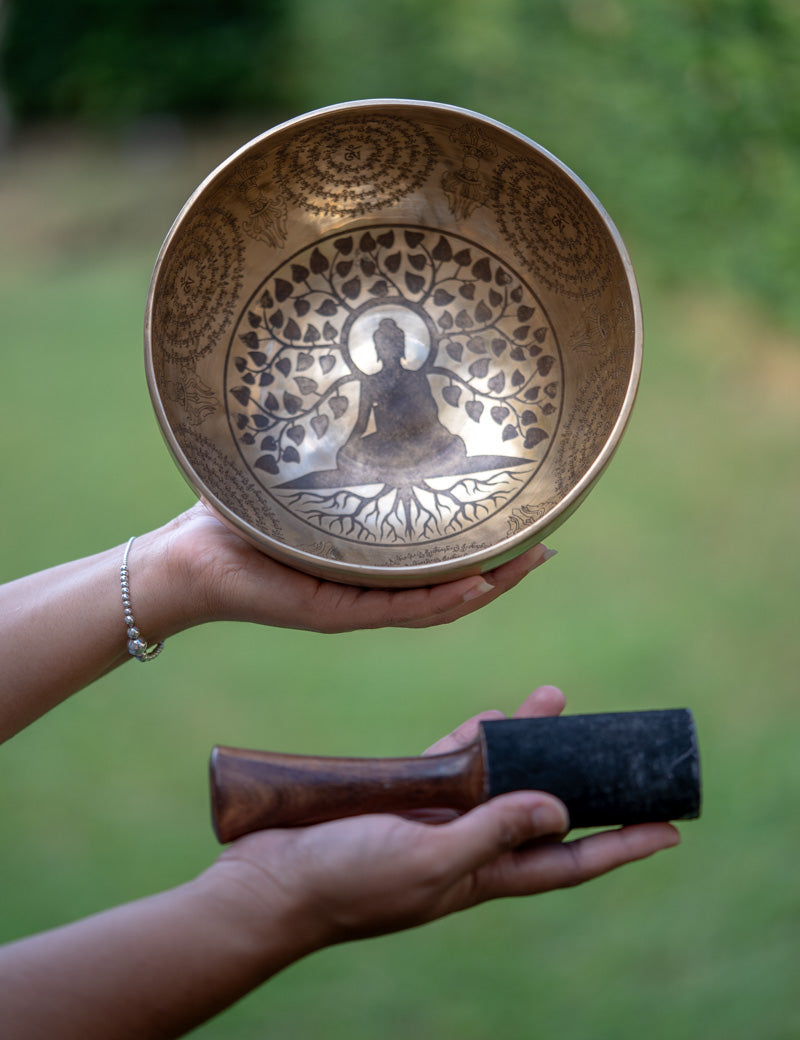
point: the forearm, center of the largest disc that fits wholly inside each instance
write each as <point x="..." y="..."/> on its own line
<point x="63" y="628"/>
<point x="149" y="970"/>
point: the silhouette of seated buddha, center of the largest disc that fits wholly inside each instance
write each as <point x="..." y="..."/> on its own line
<point x="398" y="438"/>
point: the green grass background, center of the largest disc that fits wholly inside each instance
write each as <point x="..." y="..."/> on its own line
<point x="676" y="584"/>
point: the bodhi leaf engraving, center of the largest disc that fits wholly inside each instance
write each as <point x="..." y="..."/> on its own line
<point x="304" y="380"/>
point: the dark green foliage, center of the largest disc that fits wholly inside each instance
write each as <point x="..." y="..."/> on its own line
<point x="110" y="62"/>
<point x="682" y="115"/>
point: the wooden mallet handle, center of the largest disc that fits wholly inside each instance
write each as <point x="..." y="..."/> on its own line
<point x="252" y="790"/>
<point x="616" y="768"/>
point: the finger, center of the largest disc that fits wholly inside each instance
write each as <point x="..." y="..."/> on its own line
<point x="542" y="702"/>
<point x="431" y="605"/>
<point x="500" y="825"/>
<point x="440" y="604"/>
<point x="462" y="735"/>
<point x="454" y="600"/>
<point x="431" y="816"/>
<point x="329" y="606"/>
<point x="553" y="865"/>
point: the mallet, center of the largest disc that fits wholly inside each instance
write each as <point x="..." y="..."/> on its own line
<point x="609" y="769"/>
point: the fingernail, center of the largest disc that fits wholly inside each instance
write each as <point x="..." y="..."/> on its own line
<point x="550" y="818"/>
<point x="538" y="555"/>
<point x="480" y="588"/>
<point x="544" y="555"/>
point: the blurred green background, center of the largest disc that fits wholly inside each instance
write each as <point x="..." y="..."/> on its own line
<point x="676" y="584"/>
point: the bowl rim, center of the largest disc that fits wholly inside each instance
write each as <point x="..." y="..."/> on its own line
<point x="428" y="573"/>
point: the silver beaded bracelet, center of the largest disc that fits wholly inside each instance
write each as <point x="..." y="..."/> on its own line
<point x="137" y="647"/>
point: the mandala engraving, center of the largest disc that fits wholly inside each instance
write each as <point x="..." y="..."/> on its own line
<point x="268" y="212"/>
<point x="355" y="165"/>
<point x="393" y="386"/>
<point x="467" y="187"/>
<point x="199" y="286"/>
<point x="551" y="230"/>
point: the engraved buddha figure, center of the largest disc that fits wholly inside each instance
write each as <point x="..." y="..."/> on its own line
<point x="398" y="438"/>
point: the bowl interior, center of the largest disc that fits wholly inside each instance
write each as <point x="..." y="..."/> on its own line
<point x="392" y="342"/>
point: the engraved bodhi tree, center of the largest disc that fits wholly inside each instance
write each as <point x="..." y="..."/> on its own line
<point x="401" y="384"/>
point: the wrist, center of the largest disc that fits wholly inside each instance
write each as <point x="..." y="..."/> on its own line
<point x="262" y="920"/>
<point x="202" y="560"/>
<point x="162" y="599"/>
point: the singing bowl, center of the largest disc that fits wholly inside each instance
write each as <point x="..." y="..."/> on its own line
<point x="392" y="343"/>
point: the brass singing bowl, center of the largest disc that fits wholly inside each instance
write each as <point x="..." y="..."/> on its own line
<point x="392" y="343"/>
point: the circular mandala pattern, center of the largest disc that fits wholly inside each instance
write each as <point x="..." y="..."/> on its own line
<point x="551" y="229"/>
<point x="200" y="285"/>
<point x="394" y="342"/>
<point x="355" y="165"/>
<point x="392" y="386"/>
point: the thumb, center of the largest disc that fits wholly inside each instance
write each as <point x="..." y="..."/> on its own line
<point x="502" y="824"/>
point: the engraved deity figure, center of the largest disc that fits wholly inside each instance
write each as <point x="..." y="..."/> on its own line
<point x="398" y="438"/>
